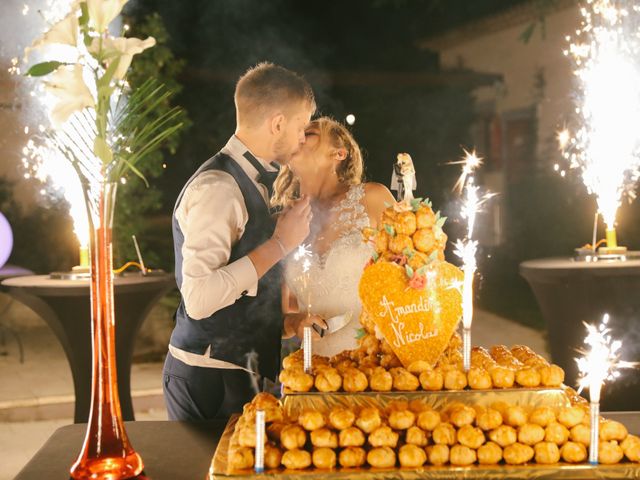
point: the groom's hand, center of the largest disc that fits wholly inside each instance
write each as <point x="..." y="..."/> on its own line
<point x="292" y="226"/>
<point x="309" y="321"/>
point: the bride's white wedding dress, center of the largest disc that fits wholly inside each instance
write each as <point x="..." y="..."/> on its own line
<point x="330" y="285"/>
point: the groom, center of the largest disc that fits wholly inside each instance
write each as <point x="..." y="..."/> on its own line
<point x="227" y="247"/>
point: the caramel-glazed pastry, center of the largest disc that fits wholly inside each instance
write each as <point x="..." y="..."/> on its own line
<point x="438" y="454"/>
<point x="405" y="223"/>
<point x="416" y="436"/>
<point x="454" y="380"/>
<point x="354" y="380"/>
<point x="432" y="380"/>
<point x="381" y="457"/>
<point x="528" y="377"/>
<point x="502" y="377"/>
<point x="609" y="452"/>
<point x="489" y="454"/>
<point x="296" y="380"/>
<point x="503" y="356"/>
<point x="573" y="452"/>
<point x="489" y="419"/>
<point x="311" y="420"/>
<point x="294" y="359"/>
<point x="515" y="416"/>
<point x="570" y="416"/>
<point x="403" y="380"/>
<point x="428" y="419"/>
<point x="444" y="434"/>
<point x="246" y="437"/>
<point x="324" y="458"/>
<point x="412" y="456"/>
<point x="293" y="437"/>
<point x="530" y="434"/>
<point x="462" y="415"/>
<point x="631" y="448"/>
<point x="424" y="240"/>
<point x="542" y="416"/>
<point x="418" y="366"/>
<point x="328" y="380"/>
<point x="462" y="456"/>
<point x="240" y="458"/>
<point x="369" y="419"/>
<point x="517" y="454"/>
<point x="398" y="243"/>
<point x="274" y="430"/>
<point x="504" y="435"/>
<point x="383" y="437"/>
<point x="557" y="433"/>
<point x="352" y="457"/>
<point x="296" y="459"/>
<point x="546" y="453"/>
<point x="341" y="417"/>
<point x="551" y="375"/>
<point x="581" y="433"/>
<point x="612" y="430"/>
<point x="351" y="437"/>
<point x="324" y="438"/>
<point x="380" y="380"/>
<point x="479" y="379"/>
<point x="471" y="437"/>
<point x="272" y="456"/>
<point x="401" y="419"/>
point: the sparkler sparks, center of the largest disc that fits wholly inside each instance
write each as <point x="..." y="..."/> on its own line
<point x="601" y="361"/>
<point x="606" y="146"/>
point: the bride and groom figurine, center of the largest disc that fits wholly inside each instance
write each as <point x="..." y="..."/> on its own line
<point x="241" y="290"/>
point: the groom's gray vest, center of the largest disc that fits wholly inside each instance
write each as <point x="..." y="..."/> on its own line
<point x="251" y="325"/>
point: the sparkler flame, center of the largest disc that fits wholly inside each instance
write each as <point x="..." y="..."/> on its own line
<point x="606" y="147"/>
<point x="601" y="361"/>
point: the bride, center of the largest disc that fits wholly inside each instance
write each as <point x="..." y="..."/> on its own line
<point x="328" y="169"/>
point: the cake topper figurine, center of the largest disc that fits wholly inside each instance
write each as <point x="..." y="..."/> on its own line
<point x="403" y="179"/>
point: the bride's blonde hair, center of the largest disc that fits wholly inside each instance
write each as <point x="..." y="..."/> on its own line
<point x="287" y="186"/>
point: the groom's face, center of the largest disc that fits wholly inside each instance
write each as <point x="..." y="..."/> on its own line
<point x="291" y="136"/>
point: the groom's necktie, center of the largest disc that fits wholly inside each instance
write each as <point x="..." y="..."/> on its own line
<point x="264" y="177"/>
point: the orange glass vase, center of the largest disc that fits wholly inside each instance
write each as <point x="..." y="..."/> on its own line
<point x="106" y="452"/>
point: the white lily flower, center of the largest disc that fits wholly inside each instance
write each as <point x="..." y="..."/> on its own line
<point x="122" y="50"/>
<point x="102" y="12"/>
<point x="63" y="32"/>
<point x="72" y="93"/>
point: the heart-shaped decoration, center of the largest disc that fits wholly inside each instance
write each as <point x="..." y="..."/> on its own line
<point x="417" y="323"/>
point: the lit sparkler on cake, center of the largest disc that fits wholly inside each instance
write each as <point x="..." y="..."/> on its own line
<point x="605" y="146"/>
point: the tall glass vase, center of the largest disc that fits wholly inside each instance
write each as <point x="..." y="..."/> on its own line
<point x="106" y="452"/>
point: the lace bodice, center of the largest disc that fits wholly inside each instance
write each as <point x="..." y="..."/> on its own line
<point x="330" y="285"/>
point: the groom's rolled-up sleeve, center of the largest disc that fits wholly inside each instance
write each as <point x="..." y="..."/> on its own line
<point x="212" y="217"/>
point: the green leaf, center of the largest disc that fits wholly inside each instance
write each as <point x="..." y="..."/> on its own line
<point x="440" y="221"/>
<point x="422" y="270"/>
<point x="408" y="252"/>
<point x="427" y="203"/>
<point x="44" y="68"/>
<point x="102" y="150"/>
<point x="415" y="204"/>
<point x="390" y="230"/>
<point x="409" y="271"/>
<point x="433" y="256"/>
<point x="375" y="256"/>
<point x="360" y="333"/>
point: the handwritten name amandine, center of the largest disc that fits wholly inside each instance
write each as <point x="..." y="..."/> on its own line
<point x="402" y="337"/>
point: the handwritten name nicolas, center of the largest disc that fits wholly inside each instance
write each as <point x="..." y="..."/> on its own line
<point x="402" y="337"/>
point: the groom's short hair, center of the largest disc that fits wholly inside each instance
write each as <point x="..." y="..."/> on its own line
<point x="266" y="88"/>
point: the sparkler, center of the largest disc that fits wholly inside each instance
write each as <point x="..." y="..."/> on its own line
<point x="466" y="248"/>
<point x="259" y="452"/>
<point x="599" y="363"/>
<point x="303" y="255"/>
<point x="606" y="146"/>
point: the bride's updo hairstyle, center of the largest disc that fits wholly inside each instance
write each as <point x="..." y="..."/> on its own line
<point x="350" y="170"/>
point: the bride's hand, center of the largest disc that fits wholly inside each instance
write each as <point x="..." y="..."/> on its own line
<point x="309" y="321"/>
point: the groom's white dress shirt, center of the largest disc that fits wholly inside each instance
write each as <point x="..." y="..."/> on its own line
<point x="212" y="216"/>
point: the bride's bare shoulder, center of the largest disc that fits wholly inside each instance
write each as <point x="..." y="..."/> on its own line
<point x="377" y="197"/>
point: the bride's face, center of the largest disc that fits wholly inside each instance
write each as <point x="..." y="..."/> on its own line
<point x="314" y="157"/>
